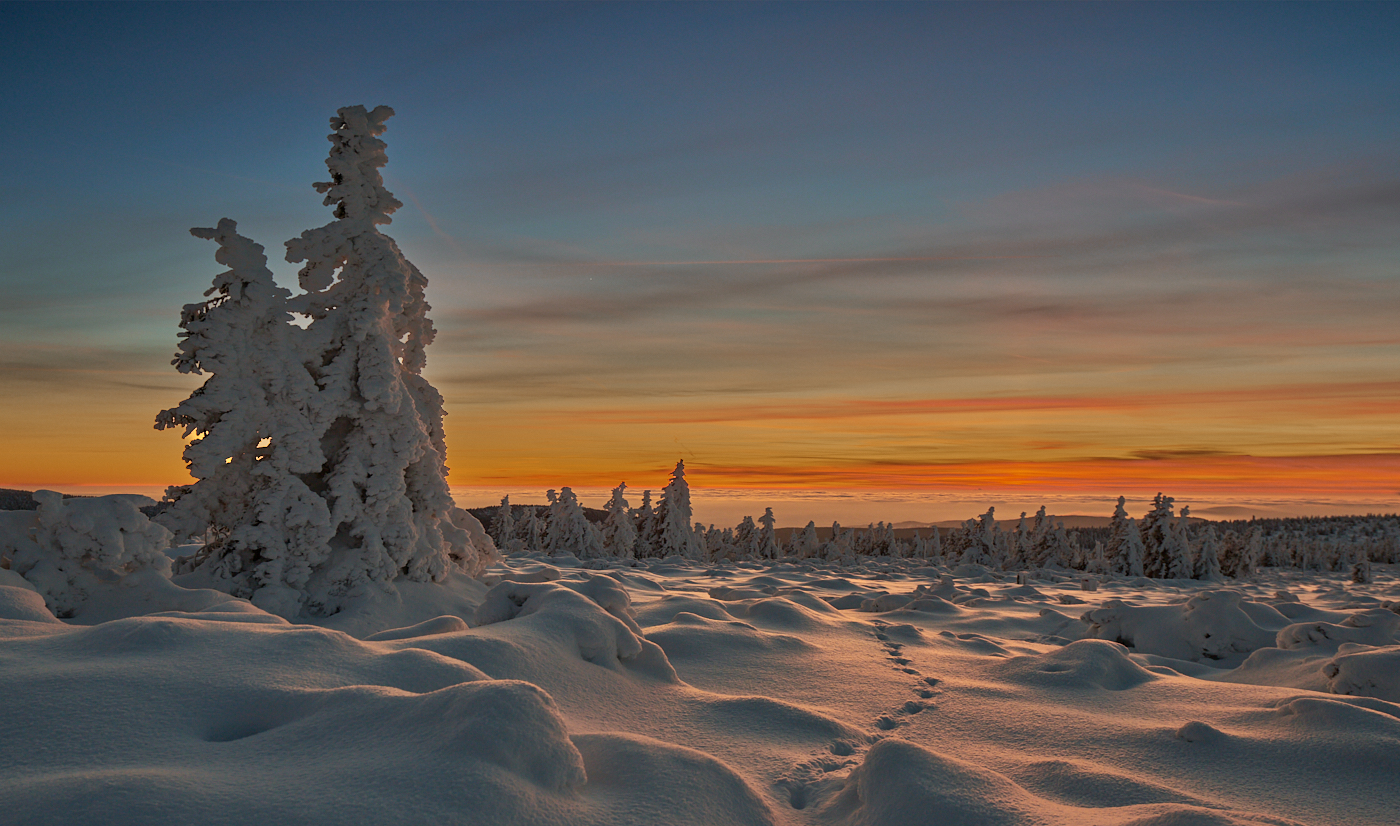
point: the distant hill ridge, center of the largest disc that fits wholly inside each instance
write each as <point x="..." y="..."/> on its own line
<point x="12" y="499"/>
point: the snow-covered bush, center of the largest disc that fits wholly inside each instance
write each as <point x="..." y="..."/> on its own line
<point x="82" y="542"/>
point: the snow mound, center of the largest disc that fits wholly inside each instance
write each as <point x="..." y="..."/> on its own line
<point x="149" y="591"/>
<point x="404" y="603"/>
<point x="426" y="628"/>
<point x="23" y="604"/>
<point x="1369" y="672"/>
<point x="682" y="785"/>
<point x="569" y="620"/>
<point x="181" y="720"/>
<point x="781" y="612"/>
<point x="609" y="595"/>
<point x="902" y="784"/>
<point x="693" y="636"/>
<point x="1082" y="664"/>
<point x="1363" y="720"/>
<point x="1374" y="627"/>
<point x="1084" y="784"/>
<point x="1211" y="625"/>
<point x="665" y="609"/>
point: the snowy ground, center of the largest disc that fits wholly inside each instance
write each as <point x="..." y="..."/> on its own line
<point x="671" y="693"/>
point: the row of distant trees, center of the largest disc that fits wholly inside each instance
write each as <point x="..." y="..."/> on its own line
<point x="1161" y="544"/>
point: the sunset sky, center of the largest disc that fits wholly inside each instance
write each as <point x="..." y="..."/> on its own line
<point x="915" y="253"/>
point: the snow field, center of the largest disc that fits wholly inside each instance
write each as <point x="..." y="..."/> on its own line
<point x="667" y="691"/>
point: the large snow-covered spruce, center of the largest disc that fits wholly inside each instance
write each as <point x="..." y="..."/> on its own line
<point x="354" y="491"/>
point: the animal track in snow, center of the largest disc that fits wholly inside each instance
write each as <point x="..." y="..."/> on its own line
<point x="804" y="782"/>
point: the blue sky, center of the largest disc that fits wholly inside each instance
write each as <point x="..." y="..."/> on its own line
<point x="1085" y="200"/>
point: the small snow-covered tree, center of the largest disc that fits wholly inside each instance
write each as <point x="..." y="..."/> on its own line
<point x="530" y="531"/>
<point x="1097" y="561"/>
<point x="984" y="540"/>
<point x="1131" y="560"/>
<point x="1155" y="530"/>
<point x="1023" y="545"/>
<point x="1176" y="551"/>
<point x="569" y="529"/>
<point x="1119" y="526"/>
<point x="716" y="550"/>
<point x="1208" y="560"/>
<point x="746" y="538"/>
<point x="645" y="519"/>
<point x="671" y="533"/>
<point x="1041" y="543"/>
<point x="1360" y="566"/>
<point x="619" y="530"/>
<point x="935" y="546"/>
<point x="838" y="547"/>
<point x="503" y="526"/>
<point x="767" y="538"/>
<point x="1064" y="549"/>
<point x="806" y="543"/>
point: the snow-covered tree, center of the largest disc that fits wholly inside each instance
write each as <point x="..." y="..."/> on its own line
<point x="746" y="538"/>
<point x="1041" y="543"/>
<point x="1208" y="560"/>
<point x="385" y="475"/>
<point x="1097" y="561"/>
<point x="530" y="531"/>
<point x="330" y="440"/>
<point x="935" y="546"/>
<point x="1119" y="526"/>
<point x="645" y="519"/>
<point x="1155" y="530"/>
<point x="804" y="544"/>
<point x="671" y="533"/>
<point x="767" y="539"/>
<point x="619" y="529"/>
<point x="838" y="547"/>
<point x="1023" y="544"/>
<point x="1132" y="551"/>
<point x="255" y="436"/>
<point x="716" y="549"/>
<point x="569" y="530"/>
<point x="1063" y="549"/>
<point x="503" y="526"/>
<point x="1359" y="565"/>
<point x="1176" y="550"/>
<point x="984" y="539"/>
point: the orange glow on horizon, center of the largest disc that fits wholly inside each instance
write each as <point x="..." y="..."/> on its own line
<point x="1369" y="476"/>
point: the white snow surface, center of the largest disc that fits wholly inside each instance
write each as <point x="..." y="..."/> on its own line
<point x="657" y="691"/>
